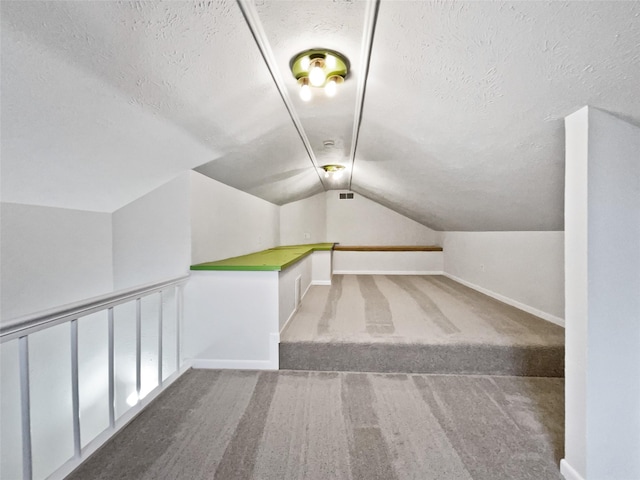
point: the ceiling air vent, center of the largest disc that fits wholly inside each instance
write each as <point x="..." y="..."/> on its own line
<point x="346" y="196"/>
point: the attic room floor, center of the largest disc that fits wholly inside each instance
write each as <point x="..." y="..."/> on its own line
<point x="353" y="425"/>
<point x="243" y="425"/>
<point x="413" y="309"/>
<point x="417" y="324"/>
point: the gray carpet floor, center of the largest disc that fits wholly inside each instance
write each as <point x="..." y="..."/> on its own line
<point x="242" y="425"/>
<point x="430" y="309"/>
<point x="417" y="324"/>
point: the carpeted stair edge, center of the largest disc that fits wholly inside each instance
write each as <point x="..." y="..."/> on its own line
<point x="461" y="359"/>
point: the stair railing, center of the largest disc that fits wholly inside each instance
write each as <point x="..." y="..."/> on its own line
<point x="21" y="328"/>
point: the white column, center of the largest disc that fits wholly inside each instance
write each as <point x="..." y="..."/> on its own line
<point x="602" y="274"/>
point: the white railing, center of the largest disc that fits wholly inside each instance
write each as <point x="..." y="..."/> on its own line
<point x="168" y="302"/>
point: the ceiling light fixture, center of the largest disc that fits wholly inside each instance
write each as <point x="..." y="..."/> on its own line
<point x="333" y="170"/>
<point x="319" y="68"/>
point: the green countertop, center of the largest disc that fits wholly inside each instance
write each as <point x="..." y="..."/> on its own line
<point x="274" y="259"/>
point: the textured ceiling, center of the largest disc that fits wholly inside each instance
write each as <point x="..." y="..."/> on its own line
<point x="463" y="125"/>
<point x="462" y="120"/>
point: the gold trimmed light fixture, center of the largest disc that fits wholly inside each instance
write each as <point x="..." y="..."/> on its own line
<point x="319" y="68"/>
<point x="333" y="170"/>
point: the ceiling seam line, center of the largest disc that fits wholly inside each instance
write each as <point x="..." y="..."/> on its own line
<point x="371" y="19"/>
<point x="255" y="27"/>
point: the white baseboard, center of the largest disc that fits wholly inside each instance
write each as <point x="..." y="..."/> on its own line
<point x="67" y="468"/>
<point x="233" y="364"/>
<point x="568" y="472"/>
<point x="288" y="320"/>
<point x="384" y="272"/>
<point x="509" y="301"/>
<point x="321" y="282"/>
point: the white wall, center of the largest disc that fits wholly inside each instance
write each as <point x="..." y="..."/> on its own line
<point x="231" y="319"/>
<point x="387" y="263"/>
<point x="52" y="256"/>
<point x="192" y="219"/>
<point x="603" y="297"/>
<point x="525" y="267"/>
<point x="226" y="222"/>
<point x="321" y="267"/>
<point x="361" y="221"/>
<point x="613" y="429"/>
<point x="304" y="221"/>
<point x="151" y="236"/>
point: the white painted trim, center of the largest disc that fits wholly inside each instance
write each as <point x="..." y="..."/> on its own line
<point x="320" y="282"/>
<point x="67" y="468"/>
<point x="509" y="301"/>
<point x="288" y="320"/>
<point x="274" y="351"/>
<point x="251" y="16"/>
<point x="384" y="272"/>
<point x="369" y="27"/>
<point x="234" y="364"/>
<point x="568" y="472"/>
<point x="304" y="294"/>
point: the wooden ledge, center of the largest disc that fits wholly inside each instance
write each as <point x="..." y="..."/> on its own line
<point x="389" y="248"/>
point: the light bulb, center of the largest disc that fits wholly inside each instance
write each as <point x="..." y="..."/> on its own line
<point x="304" y="63"/>
<point x="305" y="93"/>
<point x="331" y="88"/>
<point x="337" y="174"/>
<point x="326" y="174"/>
<point x="317" y="76"/>
<point x="330" y="62"/>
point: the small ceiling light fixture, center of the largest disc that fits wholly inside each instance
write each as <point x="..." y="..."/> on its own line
<point x="319" y="68"/>
<point x="333" y="170"/>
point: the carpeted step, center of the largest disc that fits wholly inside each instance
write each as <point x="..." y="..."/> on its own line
<point x="469" y="359"/>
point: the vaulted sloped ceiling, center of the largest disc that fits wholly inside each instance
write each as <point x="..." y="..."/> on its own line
<point x="452" y="113"/>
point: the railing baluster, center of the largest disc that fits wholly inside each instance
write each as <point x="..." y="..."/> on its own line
<point x="112" y="371"/>
<point x="138" y="346"/>
<point x="21" y="328"/>
<point x="25" y="403"/>
<point x="160" y="322"/>
<point x="179" y="308"/>
<point x="75" y="389"/>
